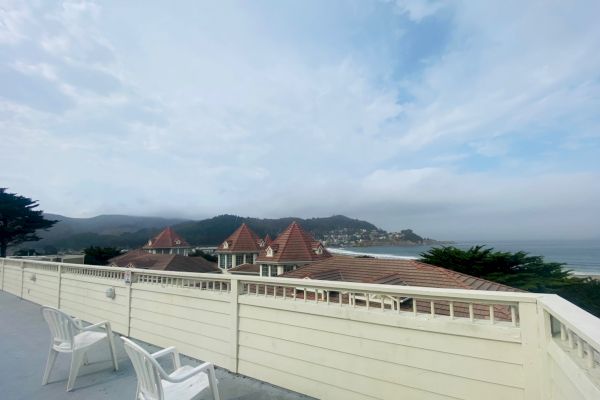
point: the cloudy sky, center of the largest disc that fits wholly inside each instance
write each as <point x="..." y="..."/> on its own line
<point x="461" y="120"/>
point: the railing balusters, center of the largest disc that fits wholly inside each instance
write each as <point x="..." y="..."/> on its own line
<point x="414" y="304"/>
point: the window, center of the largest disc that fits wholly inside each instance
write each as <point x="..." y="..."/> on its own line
<point x="222" y="260"/>
<point x="229" y="259"/>
<point x="250" y="258"/>
<point x="273" y="270"/>
<point x="288" y="268"/>
<point x="239" y="259"/>
<point x="264" y="270"/>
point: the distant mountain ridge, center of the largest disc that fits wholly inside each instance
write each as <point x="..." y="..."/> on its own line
<point x="130" y="232"/>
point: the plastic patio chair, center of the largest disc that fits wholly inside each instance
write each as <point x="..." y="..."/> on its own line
<point x="69" y="336"/>
<point x="185" y="382"/>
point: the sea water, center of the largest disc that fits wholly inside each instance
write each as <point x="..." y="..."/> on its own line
<point x="581" y="256"/>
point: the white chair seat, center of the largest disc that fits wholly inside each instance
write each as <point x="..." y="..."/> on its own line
<point x="154" y="383"/>
<point x="70" y="336"/>
<point x="88" y="338"/>
<point x="187" y="389"/>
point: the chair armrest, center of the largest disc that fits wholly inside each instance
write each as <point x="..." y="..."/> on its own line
<point x="78" y="322"/>
<point x="209" y="367"/>
<point x="106" y="325"/>
<point x="169" y="350"/>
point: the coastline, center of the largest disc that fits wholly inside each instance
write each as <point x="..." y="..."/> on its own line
<point x="388" y="253"/>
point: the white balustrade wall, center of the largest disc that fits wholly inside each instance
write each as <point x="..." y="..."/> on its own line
<point x="338" y="340"/>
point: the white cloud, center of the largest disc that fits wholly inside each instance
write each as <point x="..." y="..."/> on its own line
<point x="226" y="113"/>
<point x="418" y="9"/>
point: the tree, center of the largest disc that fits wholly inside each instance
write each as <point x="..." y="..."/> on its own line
<point x="519" y="270"/>
<point x="96" y="255"/>
<point x="206" y="256"/>
<point x="19" y="220"/>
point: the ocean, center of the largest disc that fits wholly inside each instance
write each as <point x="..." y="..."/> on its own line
<point x="581" y="256"/>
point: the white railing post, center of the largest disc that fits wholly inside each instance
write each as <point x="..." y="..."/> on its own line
<point x="59" y="285"/>
<point x="22" y="276"/>
<point x="2" y="283"/>
<point x="129" y="289"/>
<point x="234" y="297"/>
<point x="532" y="355"/>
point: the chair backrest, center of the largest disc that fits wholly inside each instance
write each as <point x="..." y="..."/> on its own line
<point x="146" y="369"/>
<point x="62" y="327"/>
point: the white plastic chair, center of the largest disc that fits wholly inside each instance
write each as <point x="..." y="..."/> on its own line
<point x="183" y="383"/>
<point x="69" y="336"/>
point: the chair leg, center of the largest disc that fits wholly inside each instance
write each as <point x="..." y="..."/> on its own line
<point x="76" y="361"/>
<point x="111" y="345"/>
<point x="214" y="386"/>
<point x="49" y="364"/>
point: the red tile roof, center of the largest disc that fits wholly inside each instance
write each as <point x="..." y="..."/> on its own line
<point x="168" y="238"/>
<point x="267" y="240"/>
<point x="246" y="269"/>
<point x="164" y="262"/>
<point x="408" y="273"/>
<point x="242" y="240"/>
<point x="392" y="272"/>
<point x="293" y="244"/>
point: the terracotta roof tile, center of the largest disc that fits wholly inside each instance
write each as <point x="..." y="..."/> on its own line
<point x="242" y="240"/>
<point x="393" y="272"/>
<point x="164" y="262"/>
<point x="408" y="273"/>
<point x="293" y="244"/>
<point x="248" y="269"/>
<point x="168" y="238"/>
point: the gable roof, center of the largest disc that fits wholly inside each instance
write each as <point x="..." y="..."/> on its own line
<point x="392" y="272"/>
<point x="163" y="262"/>
<point x="242" y="240"/>
<point x="168" y="238"/>
<point x="293" y="244"/>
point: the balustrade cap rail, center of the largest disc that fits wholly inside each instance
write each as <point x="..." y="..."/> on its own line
<point x="584" y="324"/>
<point x="479" y="296"/>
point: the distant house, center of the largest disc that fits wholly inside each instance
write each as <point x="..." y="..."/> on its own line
<point x="163" y="262"/>
<point x="241" y="247"/>
<point x="167" y="242"/>
<point x="293" y="248"/>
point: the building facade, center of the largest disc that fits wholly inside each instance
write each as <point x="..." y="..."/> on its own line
<point x="167" y="242"/>
<point x="241" y="247"/>
<point x="293" y="248"/>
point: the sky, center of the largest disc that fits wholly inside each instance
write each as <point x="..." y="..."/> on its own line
<point x="458" y="119"/>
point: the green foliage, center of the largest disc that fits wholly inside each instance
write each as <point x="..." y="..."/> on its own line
<point x="519" y="270"/>
<point x="206" y="256"/>
<point x="19" y="220"/>
<point x="96" y="255"/>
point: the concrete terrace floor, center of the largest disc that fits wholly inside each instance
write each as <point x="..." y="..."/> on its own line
<point x="24" y="344"/>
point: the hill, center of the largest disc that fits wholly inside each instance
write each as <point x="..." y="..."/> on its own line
<point x="102" y="230"/>
<point x="214" y="230"/>
<point x="130" y="232"/>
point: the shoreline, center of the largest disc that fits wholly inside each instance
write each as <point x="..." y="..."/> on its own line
<point x="341" y="251"/>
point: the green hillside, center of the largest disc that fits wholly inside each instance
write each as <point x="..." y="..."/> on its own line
<point x="130" y="232"/>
